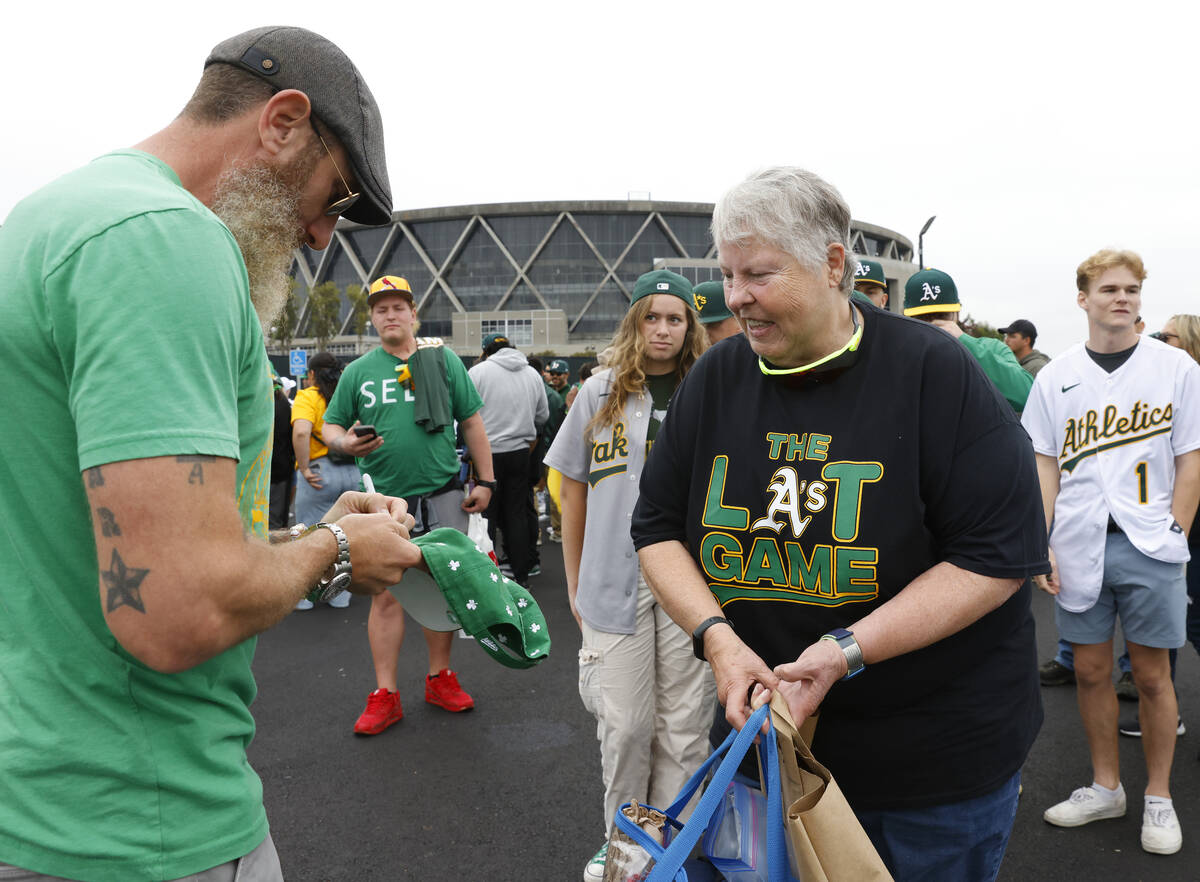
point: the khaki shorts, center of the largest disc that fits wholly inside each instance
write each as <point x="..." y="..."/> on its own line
<point x="260" y="865"/>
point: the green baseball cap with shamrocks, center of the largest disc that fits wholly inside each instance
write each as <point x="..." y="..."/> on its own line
<point x="467" y="590"/>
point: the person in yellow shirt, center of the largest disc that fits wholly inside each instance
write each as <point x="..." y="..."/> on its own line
<point x="324" y="475"/>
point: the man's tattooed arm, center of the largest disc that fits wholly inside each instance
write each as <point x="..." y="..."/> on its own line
<point x="196" y="473"/>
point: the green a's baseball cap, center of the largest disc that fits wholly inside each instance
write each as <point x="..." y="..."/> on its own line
<point x="930" y="291"/>
<point x="464" y="589"/>
<point x="663" y="282"/>
<point x="294" y="58"/>
<point x="870" y="271"/>
<point x="558" y="366"/>
<point x="495" y="338"/>
<point x="709" y="300"/>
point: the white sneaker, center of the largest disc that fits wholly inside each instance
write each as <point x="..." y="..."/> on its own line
<point x="594" y="871"/>
<point x="1160" y="829"/>
<point x="304" y="603"/>
<point x="340" y="601"/>
<point x="1084" y="806"/>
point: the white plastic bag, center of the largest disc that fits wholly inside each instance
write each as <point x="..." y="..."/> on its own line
<point x="477" y="532"/>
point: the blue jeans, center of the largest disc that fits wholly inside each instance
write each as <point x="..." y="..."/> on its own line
<point x="960" y="840"/>
<point x="336" y="479"/>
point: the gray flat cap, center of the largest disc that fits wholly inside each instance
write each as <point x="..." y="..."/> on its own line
<point x="293" y="58"/>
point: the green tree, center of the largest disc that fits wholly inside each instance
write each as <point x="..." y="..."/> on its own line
<point x="359" y="310"/>
<point x="979" y="328"/>
<point x="284" y="328"/>
<point x="324" y="306"/>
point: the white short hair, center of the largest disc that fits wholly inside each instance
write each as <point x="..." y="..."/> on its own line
<point x="790" y="209"/>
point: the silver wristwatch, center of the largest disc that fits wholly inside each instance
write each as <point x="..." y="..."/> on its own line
<point x="337" y="577"/>
<point x="850" y="648"/>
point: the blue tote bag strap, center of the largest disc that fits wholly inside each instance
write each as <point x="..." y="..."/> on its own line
<point x="778" y="867"/>
<point x="638" y="835"/>
<point x="666" y="867"/>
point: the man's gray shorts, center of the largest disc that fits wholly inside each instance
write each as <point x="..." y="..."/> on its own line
<point x="438" y="510"/>
<point x="260" y="865"/>
<point x="1149" y="595"/>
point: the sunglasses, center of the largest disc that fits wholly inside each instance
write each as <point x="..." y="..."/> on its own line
<point x="337" y="207"/>
<point x="1164" y="336"/>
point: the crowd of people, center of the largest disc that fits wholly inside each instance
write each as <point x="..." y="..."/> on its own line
<point x="767" y="483"/>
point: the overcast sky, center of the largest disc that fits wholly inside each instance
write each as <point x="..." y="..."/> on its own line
<point x="1037" y="133"/>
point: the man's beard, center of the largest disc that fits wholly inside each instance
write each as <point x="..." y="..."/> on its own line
<point x="261" y="206"/>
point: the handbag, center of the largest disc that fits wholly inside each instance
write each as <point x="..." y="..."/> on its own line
<point x="679" y="839"/>
<point x="824" y="838"/>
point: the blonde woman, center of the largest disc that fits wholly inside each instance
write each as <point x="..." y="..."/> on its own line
<point x="1183" y="332"/>
<point x="652" y="699"/>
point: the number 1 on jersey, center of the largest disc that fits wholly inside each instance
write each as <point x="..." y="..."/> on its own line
<point x="1143" y="494"/>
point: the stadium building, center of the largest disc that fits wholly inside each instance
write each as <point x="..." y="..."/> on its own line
<point x="555" y="277"/>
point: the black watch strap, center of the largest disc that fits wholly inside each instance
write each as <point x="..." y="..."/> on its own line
<point x="698" y="634"/>
<point x="491" y="485"/>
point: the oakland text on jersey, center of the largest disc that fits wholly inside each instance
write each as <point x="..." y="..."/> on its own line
<point x="1082" y="437"/>
<point x="768" y="557"/>
<point x="610" y="454"/>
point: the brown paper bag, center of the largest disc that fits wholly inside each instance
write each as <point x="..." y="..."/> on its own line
<point x="826" y="843"/>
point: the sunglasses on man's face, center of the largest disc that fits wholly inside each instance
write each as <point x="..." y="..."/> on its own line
<point x="337" y="207"/>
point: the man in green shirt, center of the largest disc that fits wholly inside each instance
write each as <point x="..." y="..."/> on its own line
<point x="130" y="313"/>
<point x="932" y="296"/>
<point x="411" y="396"/>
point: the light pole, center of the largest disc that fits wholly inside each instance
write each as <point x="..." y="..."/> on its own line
<point x="921" y="243"/>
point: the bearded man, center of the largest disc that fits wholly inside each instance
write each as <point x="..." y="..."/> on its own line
<point x="130" y="602"/>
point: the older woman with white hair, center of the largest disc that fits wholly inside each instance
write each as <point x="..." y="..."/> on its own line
<point x="841" y="507"/>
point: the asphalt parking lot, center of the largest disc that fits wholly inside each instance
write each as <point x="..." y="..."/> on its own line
<point x="511" y="790"/>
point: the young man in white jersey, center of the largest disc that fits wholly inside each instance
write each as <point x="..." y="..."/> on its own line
<point x="1115" y="424"/>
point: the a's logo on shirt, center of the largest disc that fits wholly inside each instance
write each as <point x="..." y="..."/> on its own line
<point x="806" y="488"/>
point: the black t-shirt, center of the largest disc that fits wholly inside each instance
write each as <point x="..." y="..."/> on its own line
<point x="661" y="387"/>
<point x="809" y="501"/>
<point x="1110" y="361"/>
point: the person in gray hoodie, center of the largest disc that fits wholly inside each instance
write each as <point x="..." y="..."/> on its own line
<point x="514" y="410"/>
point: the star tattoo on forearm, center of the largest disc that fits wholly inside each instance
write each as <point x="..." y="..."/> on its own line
<point x="124" y="584"/>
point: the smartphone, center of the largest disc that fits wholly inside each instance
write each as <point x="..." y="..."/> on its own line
<point x="364" y="431"/>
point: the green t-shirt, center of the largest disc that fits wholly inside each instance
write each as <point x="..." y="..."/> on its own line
<point x="128" y="333"/>
<point x="411" y="461"/>
<point x="662" y="387"/>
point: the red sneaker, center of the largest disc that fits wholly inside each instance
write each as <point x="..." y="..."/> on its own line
<point x="383" y="709"/>
<point x="443" y="690"/>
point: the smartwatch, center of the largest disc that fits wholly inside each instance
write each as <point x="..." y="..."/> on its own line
<point x="698" y="634"/>
<point x="850" y="648"/>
